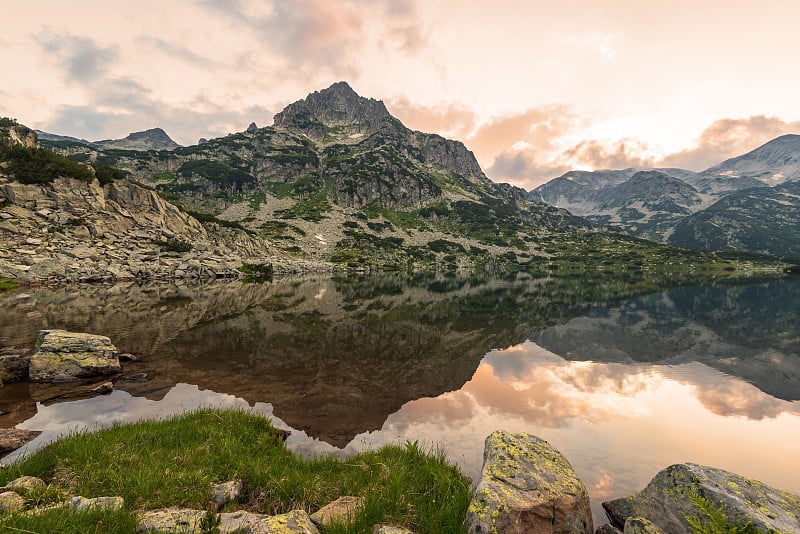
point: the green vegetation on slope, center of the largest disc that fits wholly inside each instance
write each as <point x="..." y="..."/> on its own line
<point x="173" y="462"/>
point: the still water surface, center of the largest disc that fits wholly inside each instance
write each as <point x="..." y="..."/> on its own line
<point x="623" y="381"/>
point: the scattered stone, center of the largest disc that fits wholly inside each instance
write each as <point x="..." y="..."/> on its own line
<point x="12" y="439"/>
<point x="14" y="365"/>
<point x="178" y="520"/>
<point x="82" y="504"/>
<point x="186" y="520"/>
<point x="667" y="501"/>
<point x="63" y="356"/>
<point x="11" y="502"/>
<point x="640" y="525"/>
<point x="127" y="357"/>
<point x="227" y="492"/>
<point x="342" y="510"/>
<point x="390" y="529"/>
<point x="135" y="377"/>
<point x="527" y="486"/>
<point x="105" y="388"/>
<point x="25" y="483"/>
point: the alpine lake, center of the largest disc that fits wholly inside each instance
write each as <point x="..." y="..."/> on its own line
<point x="623" y="380"/>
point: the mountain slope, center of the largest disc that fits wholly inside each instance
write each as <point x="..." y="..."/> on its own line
<point x="762" y="219"/>
<point x="774" y="162"/>
<point x="152" y="139"/>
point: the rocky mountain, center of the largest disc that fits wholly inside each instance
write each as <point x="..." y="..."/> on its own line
<point x="337" y="177"/>
<point x="760" y="219"/>
<point x="152" y="139"/>
<point x="646" y="204"/>
<point x="773" y="163"/>
<point x="690" y="209"/>
<point x="61" y="220"/>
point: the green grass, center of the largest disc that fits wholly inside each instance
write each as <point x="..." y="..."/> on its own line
<point x="7" y="284"/>
<point x="155" y="464"/>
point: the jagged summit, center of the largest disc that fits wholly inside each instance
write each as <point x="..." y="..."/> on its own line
<point x="152" y="139"/>
<point x="335" y="110"/>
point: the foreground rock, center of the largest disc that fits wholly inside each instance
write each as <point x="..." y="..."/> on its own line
<point x="11" y="502"/>
<point x="25" y="483"/>
<point x="12" y="439"/>
<point x="187" y="520"/>
<point x="527" y="486"/>
<point x="63" y="356"/>
<point x="14" y="365"/>
<point x="673" y="495"/>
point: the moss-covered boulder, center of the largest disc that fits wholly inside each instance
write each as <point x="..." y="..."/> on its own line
<point x="527" y="486"/>
<point x="63" y="356"/>
<point x="685" y="493"/>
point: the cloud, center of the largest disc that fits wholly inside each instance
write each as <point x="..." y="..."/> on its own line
<point x="82" y="60"/>
<point x="404" y="25"/>
<point x="523" y="169"/>
<point x="121" y="106"/>
<point x="620" y="154"/>
<point x="449" y="120"/>
<point x="176" y="51"/>
<point x="727" y="138"/>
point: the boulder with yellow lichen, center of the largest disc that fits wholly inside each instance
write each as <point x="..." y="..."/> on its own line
<point x="683" y="494"/>
<point x="527" y="486"/>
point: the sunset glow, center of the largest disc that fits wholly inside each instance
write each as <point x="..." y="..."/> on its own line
<point x="534" y="88"/>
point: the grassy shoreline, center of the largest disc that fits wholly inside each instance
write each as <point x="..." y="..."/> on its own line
<point x="173" y="462"/>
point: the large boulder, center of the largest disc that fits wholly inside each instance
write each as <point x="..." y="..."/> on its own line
<point x="527" y="486"/>
<point x="690" y="492"/>
<point x="63" y="356"/>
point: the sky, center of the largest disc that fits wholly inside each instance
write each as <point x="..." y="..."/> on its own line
<point x="534" y="88"/>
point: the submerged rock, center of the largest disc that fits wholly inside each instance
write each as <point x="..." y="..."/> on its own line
<point x="687" y="491"/>
<point x="63" y="356"/>
<point x="14" y="365"/>
<point x="12" y="439"/>
<point x="527" y="486"/>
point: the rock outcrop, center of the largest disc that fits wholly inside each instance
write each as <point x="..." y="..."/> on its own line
<point x="527" y="486"/>
<point x="685" y="491"/>
<point x="12" y="439"/>
<point x="63" y="356"/>
<point x="342" y="510"/>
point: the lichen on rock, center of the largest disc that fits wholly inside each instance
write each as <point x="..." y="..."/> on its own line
<point x="527" y="486"/>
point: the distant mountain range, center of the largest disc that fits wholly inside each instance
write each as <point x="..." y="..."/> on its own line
<point x="748" y="203"/>
<point x="153" y="139"/>
<point x="338" y="179"/>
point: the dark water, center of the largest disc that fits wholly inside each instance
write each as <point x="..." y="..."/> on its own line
<point x="623" y="380"/>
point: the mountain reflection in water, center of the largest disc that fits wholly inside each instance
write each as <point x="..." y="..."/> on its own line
<point x="623" y="385"/>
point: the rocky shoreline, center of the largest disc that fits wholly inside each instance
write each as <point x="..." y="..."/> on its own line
<point x="526" y="485"/>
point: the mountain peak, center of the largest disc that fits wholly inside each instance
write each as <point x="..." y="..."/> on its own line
<point x="337" y="109"/>
<point x="152" y="139"/>
<point x="772" y="163"/>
